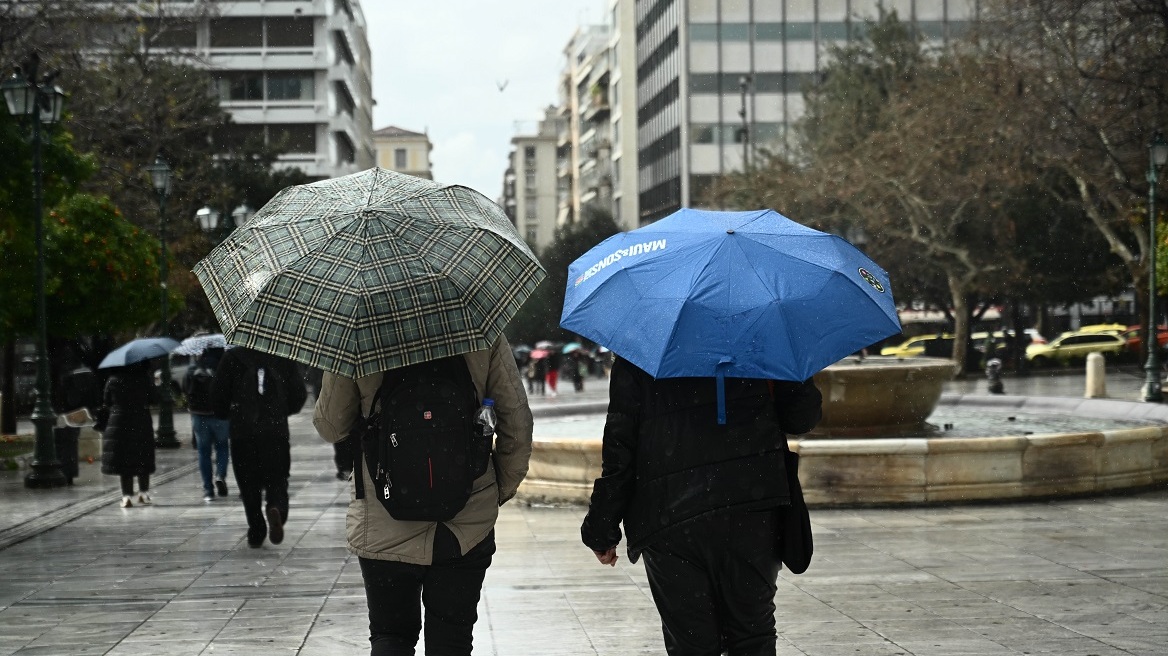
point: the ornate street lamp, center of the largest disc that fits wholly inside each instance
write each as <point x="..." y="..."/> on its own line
<point x="241" y="214"/>
<point x="1157" y="157"/>
<point x="208" y="219"/>
<point x="41" y="100"/>
<point x="160" y="178"/>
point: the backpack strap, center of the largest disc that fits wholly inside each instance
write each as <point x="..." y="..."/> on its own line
<point x="356" y="438"/>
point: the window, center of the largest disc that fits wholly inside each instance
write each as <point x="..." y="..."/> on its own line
<point x="237" y="33"/>
<point x="171" y="33"/>
<point x="240" y="85"/>
<point x="237" y="136"/>
<point x="529" y="153"/>
<point x="290" y="33"/>
<point x="293" y="137"/>
<point x="399" y="158"/>
<point x="529" y="211"/>
<point x="532" y="233"/>
<point x="289" y="86"/>
<point x="529" y="178"/>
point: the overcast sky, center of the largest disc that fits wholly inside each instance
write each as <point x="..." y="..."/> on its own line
<point x="438" y="66"/>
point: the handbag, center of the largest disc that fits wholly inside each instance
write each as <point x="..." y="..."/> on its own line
<point x="795" y="544"/>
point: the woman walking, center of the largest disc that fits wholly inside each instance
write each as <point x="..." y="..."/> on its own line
<point x="127" y="439"/>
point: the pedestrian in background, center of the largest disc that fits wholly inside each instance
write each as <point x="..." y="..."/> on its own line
<point x="127" y="430"/>
<point x="343" y="451"/>
<point x="554" y="361"/>
<point x="440" y="564"/>
<point x="700" y="500"/>
<point x="211" y="432"/>
<point x="257" y="392"/>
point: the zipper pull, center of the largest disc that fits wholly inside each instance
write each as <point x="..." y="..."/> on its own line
<point x="386" y="490"/>
<point x="393" y="439"/>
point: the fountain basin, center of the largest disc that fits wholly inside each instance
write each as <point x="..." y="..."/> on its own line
<point x="880" y="395"/>
<point x="839" y="471"/>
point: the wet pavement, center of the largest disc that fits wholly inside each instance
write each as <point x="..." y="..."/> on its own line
<point x="79" y="575"/>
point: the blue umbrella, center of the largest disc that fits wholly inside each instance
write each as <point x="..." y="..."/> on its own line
<point x="143" y="348"/>
<point x="729" y="294"/>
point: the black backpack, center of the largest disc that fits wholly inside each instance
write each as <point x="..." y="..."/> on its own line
<point x="254" y="412"/>
<point x="420" y="443"/>
<point x="202" y="380"/>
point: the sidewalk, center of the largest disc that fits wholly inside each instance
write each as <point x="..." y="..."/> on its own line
<point x="1074" y="577"/>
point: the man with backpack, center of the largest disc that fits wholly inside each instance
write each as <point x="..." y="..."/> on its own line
<point x="256" y="392"/>
<point x="209" y="430"/>
<point x="427" y="487"/>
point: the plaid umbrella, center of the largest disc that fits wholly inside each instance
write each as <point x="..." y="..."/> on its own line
<point x="370" y="272"/>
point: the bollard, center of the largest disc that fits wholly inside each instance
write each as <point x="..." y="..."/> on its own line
<point x="1096" y="377"/>
<point x="993" y="373"/>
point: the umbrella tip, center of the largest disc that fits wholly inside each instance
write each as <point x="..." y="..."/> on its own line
<point x="730" y="231"/>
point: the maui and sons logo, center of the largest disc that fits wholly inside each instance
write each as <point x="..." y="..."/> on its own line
<point x="871" y="279"/>
<point x="635" y="249"/>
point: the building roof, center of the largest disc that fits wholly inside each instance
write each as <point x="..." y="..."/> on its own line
<point x="394" y="131"/>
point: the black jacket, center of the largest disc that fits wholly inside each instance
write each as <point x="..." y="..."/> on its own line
<point x="667" y="460"/>
<point x="256" y="456"/>
<point x="127" y="438"/>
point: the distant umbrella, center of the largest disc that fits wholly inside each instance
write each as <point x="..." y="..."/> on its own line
<point x="143" y="348"/>
<point x="199" y="343"/>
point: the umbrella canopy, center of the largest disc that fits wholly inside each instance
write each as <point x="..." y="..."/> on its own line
<point x="571" y="346"/>
<point x="143" y="348"/>
<point x="370" y="272"/>
<point x="197" y="344"/>
<point x="738" y="294"/>
<point x="540" y="353"/>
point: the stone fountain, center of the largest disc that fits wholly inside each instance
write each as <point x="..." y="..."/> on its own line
<point x="874" y="445"/>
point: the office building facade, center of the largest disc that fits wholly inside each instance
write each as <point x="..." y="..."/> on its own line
<point x="530" y="196"/>
<point x="718" y="79"/>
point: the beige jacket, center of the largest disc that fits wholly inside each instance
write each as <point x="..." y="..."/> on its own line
<point x="372" y="533"/>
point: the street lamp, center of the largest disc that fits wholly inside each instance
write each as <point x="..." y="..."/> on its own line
<point x="743" y="84"/>
<point x="1157" y="156"/>
<point x="208" y="218"/>
<point x="240" y="215"/>
<point x="160" y="178"/>
<point x="43" y="101"/>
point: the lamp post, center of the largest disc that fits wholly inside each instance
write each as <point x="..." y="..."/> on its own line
<point x="160" y="178"/>
<point x="208" y="218"/>
<point x="743" y="84"/>
<point x="1157" y="156"/>
<point x="241" y="214"/>
<point x="42" y="101"/>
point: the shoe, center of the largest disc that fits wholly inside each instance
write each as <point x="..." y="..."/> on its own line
<point x="221" y="486"/>
<point x="255" y="539"/>
<point x="275" y="525"/>
<point x="127" y="502"/>
<point x="208" y="497"/>
<point x="144" y="499"/>
<point x="255" y="545"/>
<point x="343" y="475"/>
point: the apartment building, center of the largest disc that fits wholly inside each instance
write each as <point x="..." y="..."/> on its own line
<point x="530" y="195"/>
<point x="293" y="72"/>
<point x="584" y="145"/>
<point x="717" y="79"/>
<point x="403" y="151"/>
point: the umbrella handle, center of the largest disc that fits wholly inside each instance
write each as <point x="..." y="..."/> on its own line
<point x="720" y="376"/>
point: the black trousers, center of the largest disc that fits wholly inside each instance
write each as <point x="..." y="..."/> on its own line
<point x="449" y="589"/>
<point x="128" y="484"/>
<point x="253" y="487"/>
<point x="714" y="582"/>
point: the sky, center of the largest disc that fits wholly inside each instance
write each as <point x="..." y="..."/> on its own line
<point x="438" y="66"/>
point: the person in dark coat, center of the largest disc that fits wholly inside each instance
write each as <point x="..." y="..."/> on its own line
<point x="127" y="430"/>
<point x="257" y="392"/>
<point x="700" y="501"/>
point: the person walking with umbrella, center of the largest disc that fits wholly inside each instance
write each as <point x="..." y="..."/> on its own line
<point x="366" y="277"/>
<point x="211" y="433"/>
<point x="124" y="419"/>
<point x="718" y="320"/>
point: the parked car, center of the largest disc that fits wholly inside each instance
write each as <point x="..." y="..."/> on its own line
<point x="1074" y="346"/>
<point x="916" y="346"/>
<point x="1135" y="338"/>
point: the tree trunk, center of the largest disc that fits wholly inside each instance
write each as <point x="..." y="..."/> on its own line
<point x="960" y="323"/>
